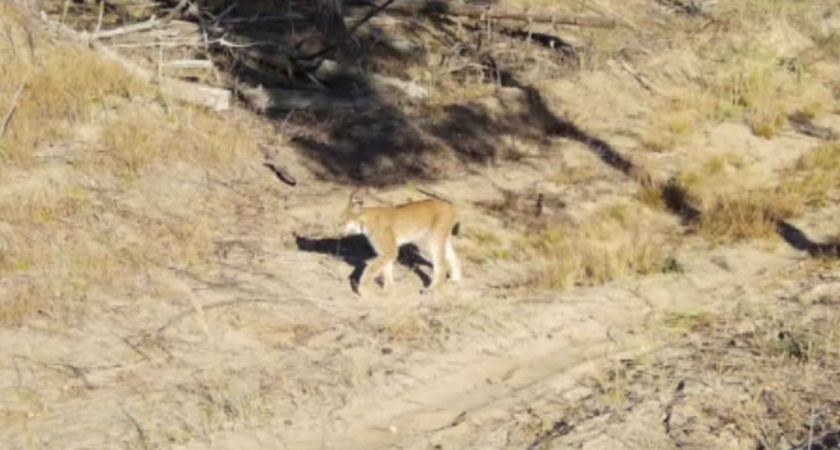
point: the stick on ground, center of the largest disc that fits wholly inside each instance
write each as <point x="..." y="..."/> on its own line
<point x="8" y="117"/>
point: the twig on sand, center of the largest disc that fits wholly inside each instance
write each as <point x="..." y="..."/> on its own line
<point x="226" y="303"/>
<point x="11" y="112"/>
<point x="141" y="434"/>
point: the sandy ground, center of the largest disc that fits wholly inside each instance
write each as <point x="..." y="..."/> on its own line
<point x="269" y="348"/>
<point x="266" y="346"/>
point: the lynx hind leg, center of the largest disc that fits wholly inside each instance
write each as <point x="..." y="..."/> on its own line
<point x="452" y="261"/>
<point x="438" y="253"/>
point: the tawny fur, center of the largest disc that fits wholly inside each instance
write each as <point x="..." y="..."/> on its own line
<point x="427" y="223"/>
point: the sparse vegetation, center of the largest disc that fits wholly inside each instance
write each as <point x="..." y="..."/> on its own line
<point x="147" y="255"/>
<point x="815" y="175"/>
<point x="609" y="246"/>
<point x="59" y="243"/>
<point x="670" y="129"/>
<point x="777" y="354"/>
<point x="748" y="216"/>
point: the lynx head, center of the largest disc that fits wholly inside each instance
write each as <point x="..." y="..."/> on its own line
<point x="350" y="221"/>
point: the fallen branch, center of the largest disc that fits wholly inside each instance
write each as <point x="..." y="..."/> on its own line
<point x="440" y="7"/>
<point x="197" y="42"/>
<point x="186" y="64"/>
<point x="225" y="303"/>
<point x="281" y="172"/>
<point x="331" y="69"/>
<point x="268" y="100"/>
<point x="8" y="117"/>
<point x="216" y="99"/>
<point x="643" y="81"/>
<point x="128" y="29"/>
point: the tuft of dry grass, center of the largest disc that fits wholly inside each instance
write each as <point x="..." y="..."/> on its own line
<point x="710" y="172"/>
<point x="136" y="139"/>
<point x="613" y="244"/>
<point x="727" y="217"/>
<point x="487" y="246"/>
<point x="571" y="175"/>
<point x="669" y="130"/>
<point x="755" y="214"/>
<point x="750" y="215"/>
<point x="815" y="175"/>
<point x="64" y="90"/>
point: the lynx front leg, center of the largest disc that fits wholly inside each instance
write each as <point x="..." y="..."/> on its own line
<point x="378" y="265"/>
<point x="388" y="275"/>
<point x="386" y="249"/>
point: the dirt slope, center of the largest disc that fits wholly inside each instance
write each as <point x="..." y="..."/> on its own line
<point x="184" y="298"/>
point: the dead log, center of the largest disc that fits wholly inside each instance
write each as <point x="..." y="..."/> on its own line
<point x="188" y="64"/>
<point x="441" y="7"/>
<point x="330" y="69"/>
<point x="273" y="100"/>
<point x="171" y="27"/>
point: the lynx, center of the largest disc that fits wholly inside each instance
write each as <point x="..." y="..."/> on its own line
<point x="429" y="224"/>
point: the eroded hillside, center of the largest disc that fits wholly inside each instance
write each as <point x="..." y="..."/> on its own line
<point x="648" y="210"/>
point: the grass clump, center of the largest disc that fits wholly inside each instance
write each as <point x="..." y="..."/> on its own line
<point x="732" y="217"/>
<point x="64" y="90"/>
<point x="750" y="215"/>
<point x="815" y="175"/>
<point x="613" y="244"/>
<point x="488" y="247"/>
<point x="670" y="130"/>
<point x="134" y="140"/>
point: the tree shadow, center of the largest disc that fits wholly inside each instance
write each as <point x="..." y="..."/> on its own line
<point x="380" y="139"/>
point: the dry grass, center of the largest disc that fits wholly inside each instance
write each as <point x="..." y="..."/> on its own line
<point x="815" y="175"/>
<point x="712" y="171"/>
<point x="64" y="91"/>
<point x="736" y="75"/>
<point x="62" y="236"/>
<point x="752" y="90"/>
<point x="135" y="139"/>
<point x="613" y="244"/>
<point x="747" y="216"/>
<point x="571" y="175"/>
<point x="670" y="129"/>
<point x="487" y="246"/>
<point x="762" y="374"/>
<point x="732" y="217"/>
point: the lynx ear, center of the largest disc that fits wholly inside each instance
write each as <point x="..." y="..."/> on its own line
<point x="356" y="199"/>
